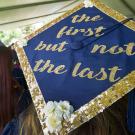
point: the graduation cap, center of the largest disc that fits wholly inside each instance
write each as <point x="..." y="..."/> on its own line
<point x="86" y="57"/>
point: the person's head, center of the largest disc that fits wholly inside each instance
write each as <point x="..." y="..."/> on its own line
<point x="7" y="87"/>
<point x="29" y="122"/>
<point x="111" y="121"/>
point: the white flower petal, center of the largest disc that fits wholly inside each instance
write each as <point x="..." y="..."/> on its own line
<point x="64" y="106"/>
<point x="53" y="123"/>
<point x="22" y="42"/>
<point x="46" y="131"/>
<point x="50" y="108"/>
<point x="58" y="113"/>
<point x="55" y="113"/>
<point x="88" y="3"/>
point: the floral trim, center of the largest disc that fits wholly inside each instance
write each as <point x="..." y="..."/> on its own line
<point x="22" y="43"/>
<point x="88" y="3"/>
<point x="55" y="114"/>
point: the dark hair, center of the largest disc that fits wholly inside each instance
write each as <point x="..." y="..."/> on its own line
<point x="8" y="88"/>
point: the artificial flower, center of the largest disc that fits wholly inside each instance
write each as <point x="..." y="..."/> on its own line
<point x="64" y="106"/>
<point x="46" y="131"/>
<point x="50" y="108"/>
<point x="55" y="113"/>
<point x="53" y="123"/>
<point x="22" y="42"/>
<point x="88" y="3"/>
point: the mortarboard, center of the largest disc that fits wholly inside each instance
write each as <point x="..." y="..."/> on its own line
<point x="86" y="57"/>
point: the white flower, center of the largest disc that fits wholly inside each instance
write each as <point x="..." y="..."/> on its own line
<point x="67" y="115"/>
<point x="13" y="41"/>
<point x="88" y="3"/>
<point x="46" y="131"/>
<point x="58" y="113"/>
<point x="22" y="42"/>
<point x="55" y="113"/>
<point x="53" y="123"/>
<point x="50" y="108"/>
<point x="66" y="108"/>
